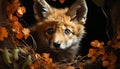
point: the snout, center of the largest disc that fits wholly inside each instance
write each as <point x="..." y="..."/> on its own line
<point x="56" y="45"/>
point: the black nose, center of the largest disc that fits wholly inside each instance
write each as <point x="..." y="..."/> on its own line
<point x="56" y="45"/>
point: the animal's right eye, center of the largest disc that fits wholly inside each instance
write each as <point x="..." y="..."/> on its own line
<point x="50" y="31"/>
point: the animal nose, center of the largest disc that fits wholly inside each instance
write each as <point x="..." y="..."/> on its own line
<point x="56" y="45"/>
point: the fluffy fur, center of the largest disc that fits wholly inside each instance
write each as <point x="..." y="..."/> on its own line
<point x="58" y="28"/>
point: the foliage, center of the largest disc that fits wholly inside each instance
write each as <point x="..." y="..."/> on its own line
<point x="3" y="33"/>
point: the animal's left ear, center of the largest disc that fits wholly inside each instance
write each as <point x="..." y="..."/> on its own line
<point x="78" y="11"/>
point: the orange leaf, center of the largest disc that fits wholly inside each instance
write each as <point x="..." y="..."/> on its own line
<point x="100" y="45"/>
<point x="38" y="57"/>
<point x="91" y="52"/>
<point x="46" y="56"/>
<point x="94" y="43"/>
<point x="20" y="11"/>
<point x="12" y="7"/>
<point x="34" y="65"/>
<point x="116" y="45"/>
<point x="3" y="33"/>
<point x="16" y="27"/>
<point x="105" y="63"/>
<point x="26" y="32"/>
<point x="19" y="35"/>
<point x="44" y="61"/>
<point x="112" y="57"/>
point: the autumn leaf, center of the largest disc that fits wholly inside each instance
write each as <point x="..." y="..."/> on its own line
<point x="35" y="65"/>
<point x="105" y="63"/>
<point x="16" y="27"/>
<point x="97" y="44"/>
<point x="42" y="61"/>
<point x="91" y="52"/>
<point x="19" y="35"/>
<point x="94" y="43"/>
<point x="100" y="45"/>
<point x="109" y="60"/>
<point x="20" y="11"/>
<point x="116" y="45"/>
<point x="3" y="33"/>
<point x="12" y="7"/>
<point x="112" y="57"/>
<point x="26" y="32"/>
<point x="97" y="50"/>
<point x="47" y="57"/>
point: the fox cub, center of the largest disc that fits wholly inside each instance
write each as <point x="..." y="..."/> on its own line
<point x="59" y="31"/>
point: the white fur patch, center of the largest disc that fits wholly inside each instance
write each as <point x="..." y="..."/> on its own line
<point x="69" y="43"/>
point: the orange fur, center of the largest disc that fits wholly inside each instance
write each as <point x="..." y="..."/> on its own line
<point x="64" y="32"/>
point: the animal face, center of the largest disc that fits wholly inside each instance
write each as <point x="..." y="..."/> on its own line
<point x="59" y="35"/>
<point x="58" y="32"/>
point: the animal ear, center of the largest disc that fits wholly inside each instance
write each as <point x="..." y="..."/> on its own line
<point x="41" y="9"/>
<point x="78" y="11"/>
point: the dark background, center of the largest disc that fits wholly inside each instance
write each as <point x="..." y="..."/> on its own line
<point x="95" y="25"/>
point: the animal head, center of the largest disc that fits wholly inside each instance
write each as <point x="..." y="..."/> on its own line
<point x="60" y="29"/>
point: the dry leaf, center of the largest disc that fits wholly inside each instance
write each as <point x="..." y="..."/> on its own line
<point x="20" y="11"/>
<point x="34" y="65"/>
<point x="3" y="33"/>
<point x="47" y="57"/>
<point x="26" y="32"/>
<point x="12" y="7"/>
<point x="105" y="63"/>
<point x="91" y="52"/>
<point x="16" y="27"/>
<point x="94" y="43"/>
<point x="19" y="35"/>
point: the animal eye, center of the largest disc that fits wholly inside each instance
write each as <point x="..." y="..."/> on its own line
<point x="50" y="31"/>
<point x="67" y="31"/>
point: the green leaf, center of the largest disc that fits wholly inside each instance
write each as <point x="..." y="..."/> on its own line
<point x="28" y="61"/>
<point x="99" y="3"/>
<point x="6" y="56"/>
<point x="15" y="54"/>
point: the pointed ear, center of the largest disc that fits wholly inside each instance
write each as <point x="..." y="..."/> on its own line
<point x="78" y="11"/>
<point x="41" y="9"/>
